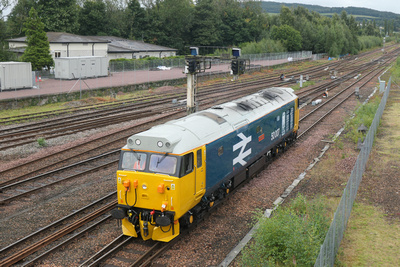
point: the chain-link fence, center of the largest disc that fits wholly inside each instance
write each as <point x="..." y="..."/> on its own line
<point x="161" y="63"/>
<point x="167" y="71"/>
<point x="335" y="233"/>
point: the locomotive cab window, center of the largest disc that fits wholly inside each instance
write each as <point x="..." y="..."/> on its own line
<point x="165" y="164"/>
<point x="186" y="164"/>
<point x="131" y="160"/>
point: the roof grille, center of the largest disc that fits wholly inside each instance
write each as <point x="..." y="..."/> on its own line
<point x="213" y="116"/>
<point x="269" y="95"/>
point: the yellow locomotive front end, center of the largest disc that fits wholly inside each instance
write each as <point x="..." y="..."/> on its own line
<point x="156" y="192"/>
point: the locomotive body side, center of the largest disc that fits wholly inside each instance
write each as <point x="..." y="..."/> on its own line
<point x="233" y="153"/>
<point x="171" y="174"/>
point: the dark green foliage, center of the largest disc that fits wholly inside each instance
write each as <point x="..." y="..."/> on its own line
<point x="59" y="15"/>
<point x="207" y="24"/>
<point x="292" y="236"/>
<point x="210" y="23"/>
<point x="91" y="18"/>
<point x="41" y="141"/>
<point x="264" y="46"/>
<point x="290" y="37"/>
<point x="4" y="54"/>
<point x="364" y="115"/>
<point x="18" y="16"/>
<point x="135" y="17"/>
<point x="38" y="49"/>
<point x="359" y="12"/>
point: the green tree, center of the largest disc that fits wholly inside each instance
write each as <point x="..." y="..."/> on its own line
<point x="136" y="20"/>
<point x="175" y="23"/>
<point x="91" y="18"/>
<point x="38" y="50"/>
<point x="257" y="22"/>
<point x="286" y="16"/>
<point x="290" y="37"/>
<point x="115" y="17"/>
<point x="233" y="27"/>
<point x="59" y="15"/>
<point x="18" y="16"/>
<point x="206" y="29"/>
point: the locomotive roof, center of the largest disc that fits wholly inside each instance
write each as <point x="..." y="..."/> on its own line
<point x="184" y="134"/>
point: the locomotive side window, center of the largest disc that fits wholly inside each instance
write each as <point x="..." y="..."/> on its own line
<point x="199" y="159"/>
<point x="133" y="161"/>
<point x="163" y="164"/>
<point x="187" y="164"/>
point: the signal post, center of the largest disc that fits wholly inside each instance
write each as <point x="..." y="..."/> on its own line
<point x="196" y="64"/>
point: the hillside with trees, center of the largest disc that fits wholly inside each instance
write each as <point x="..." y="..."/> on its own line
<point x="209" y="24"/>
<point x="359" y="13"/>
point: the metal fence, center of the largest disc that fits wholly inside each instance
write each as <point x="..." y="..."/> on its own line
<point x="336" y="230"/>
<point x="260" y="59"/>
<point x="124" y="72"/>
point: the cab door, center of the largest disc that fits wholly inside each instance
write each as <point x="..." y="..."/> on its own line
<point x="200" y="177"/>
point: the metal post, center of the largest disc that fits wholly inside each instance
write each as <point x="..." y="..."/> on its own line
<point x="301" y="81"/>
<point x="191" y="93"/>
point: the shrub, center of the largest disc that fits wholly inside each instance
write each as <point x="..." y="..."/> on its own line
<point x="364" y="115"/>
<point x="41" y="141"/>
<point x="292" y="236"/>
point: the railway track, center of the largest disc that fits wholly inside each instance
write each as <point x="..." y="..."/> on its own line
<point x="47" y="241"/>
<point x="52" y="128"/>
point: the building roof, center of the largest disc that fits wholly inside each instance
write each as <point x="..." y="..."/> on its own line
<point x="121" y="45"/>
<point x="62" y="37"/>
<point x="115" y="44"/>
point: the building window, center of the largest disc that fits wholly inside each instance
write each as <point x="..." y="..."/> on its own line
<point x="57" y="54"/>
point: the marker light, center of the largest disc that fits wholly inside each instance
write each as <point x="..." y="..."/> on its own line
<point x="144" y="186"/>
<point x="127" y="184"/>
<point x="138" y="142"/>
<point x="160" y="188"/>
<point x="159" y="144"/>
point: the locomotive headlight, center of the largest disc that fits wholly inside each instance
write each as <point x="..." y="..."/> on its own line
<point x="138" y="142"/>
<point x="144" y="186"/>
<point x="159" y="144"/>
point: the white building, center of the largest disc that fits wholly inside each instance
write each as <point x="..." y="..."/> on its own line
<point x="72" y="45"/>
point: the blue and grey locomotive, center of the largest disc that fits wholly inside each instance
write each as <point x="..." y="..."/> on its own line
<point x="172" y="173"/>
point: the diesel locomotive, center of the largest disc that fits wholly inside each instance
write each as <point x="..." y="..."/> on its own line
<point x="171" y="174"/>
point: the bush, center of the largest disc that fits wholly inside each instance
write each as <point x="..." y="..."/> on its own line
<point x="367" y="42"/>
<point x="262" y="47"/>
<point x="364" y="115"/>
<point x="41" y="141"/>
<point x="292" y="236"/>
